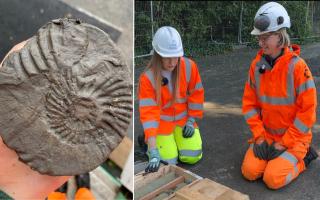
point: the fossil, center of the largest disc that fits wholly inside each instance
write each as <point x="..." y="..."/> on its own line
<point x="65" y="98"/>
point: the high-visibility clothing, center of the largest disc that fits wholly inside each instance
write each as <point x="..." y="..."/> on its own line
<point x="277" y="172"/>
<point x="84" y="194"/>
<point x="280" y="106"/>
<point x="81" y="194"/>
<point x="57" y="196"/>
<point x="281" y="102"/>
<point x="163" y="118"/>
<point x="174" y="146"/>
<point x="190" y="149"/>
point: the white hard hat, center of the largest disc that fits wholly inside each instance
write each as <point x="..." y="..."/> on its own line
<point x="270" y="17"/>
<point x="167" y="42"/>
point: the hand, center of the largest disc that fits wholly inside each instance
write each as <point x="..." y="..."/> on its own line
<point x="154" y="160"/>
<point x="188" y="129"/>
<point x="260" y="149"/>
<point x="275" y="150"/>
<point x="17" y="179"/>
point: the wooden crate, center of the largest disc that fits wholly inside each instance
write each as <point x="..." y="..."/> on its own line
<point x="161" y="184"/>
<point x="207" y="189"/>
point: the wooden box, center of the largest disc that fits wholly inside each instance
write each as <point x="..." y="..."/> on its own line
<point x="163" y="183"/>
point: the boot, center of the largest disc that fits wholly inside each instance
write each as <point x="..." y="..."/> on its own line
<point x="310" y="156"/>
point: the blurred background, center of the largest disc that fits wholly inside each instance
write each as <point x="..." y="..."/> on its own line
<point x="210" y="27"/>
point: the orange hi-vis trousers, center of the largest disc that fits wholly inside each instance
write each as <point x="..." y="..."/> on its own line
<point x="277" y="172"/>
<point x="81" y="194"/>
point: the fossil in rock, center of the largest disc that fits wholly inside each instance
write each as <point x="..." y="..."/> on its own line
<point x="66" y="98"/>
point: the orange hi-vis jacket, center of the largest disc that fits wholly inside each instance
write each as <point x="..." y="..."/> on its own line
<point x="281" y="102"/>
<point x="162" y="119"/>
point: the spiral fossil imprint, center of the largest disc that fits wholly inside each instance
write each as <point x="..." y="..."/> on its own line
<point x="66" y="98"/>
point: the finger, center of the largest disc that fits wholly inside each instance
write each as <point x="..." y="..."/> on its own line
<point x="260" y="153"/>
<point x="269" y="153"/>
<point x="157" y="168"/>
<point x="265" y="151"/>
<point x="184" y="134"/>
<point x="261" y="150"/>
<point x="262" y="147"/>
<point x="152" y="167"/>
<point x="257" y="148"/>
<point x="147" y="169"/>
<point x="255" y="151"/>
<point x="184" y="129"/>
<point x="191" y="132"/>
<point x="188" y="132"/>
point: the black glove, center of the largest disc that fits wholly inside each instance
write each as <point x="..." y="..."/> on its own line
<point x="261" y="150"/>
<point x="273" y="152"/>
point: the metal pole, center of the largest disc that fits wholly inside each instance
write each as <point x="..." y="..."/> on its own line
<point x="151" y="14"/>
<point x="307" y="13"/>
<point x="240" y="25"/>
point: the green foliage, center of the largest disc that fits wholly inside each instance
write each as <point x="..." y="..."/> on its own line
<point x="211" y="27"/>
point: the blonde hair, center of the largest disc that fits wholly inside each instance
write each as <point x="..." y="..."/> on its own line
<point x="284" y="37"/>
<point x="155" y="65"/>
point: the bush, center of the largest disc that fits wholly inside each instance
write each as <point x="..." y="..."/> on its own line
<point x="210" y="27"/>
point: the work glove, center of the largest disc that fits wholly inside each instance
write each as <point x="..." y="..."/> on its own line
<point x="273" y="152"/>
<point x="154" y="161"/>
<point x="261" y="150"/>
<point x="188" y="129"/>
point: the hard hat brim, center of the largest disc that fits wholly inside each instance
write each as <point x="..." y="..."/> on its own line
<point x="256" y="31"/>
<point x="171" y="55"/>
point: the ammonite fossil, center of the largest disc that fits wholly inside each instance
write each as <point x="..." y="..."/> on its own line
<point x="66" y="98"/>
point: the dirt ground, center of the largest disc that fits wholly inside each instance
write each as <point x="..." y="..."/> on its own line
<point x="224" y="130"/>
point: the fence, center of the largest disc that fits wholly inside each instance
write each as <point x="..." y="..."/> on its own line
<point x="209" y="27"/>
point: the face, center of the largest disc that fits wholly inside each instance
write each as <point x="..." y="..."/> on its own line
<point x="269" y="43"/>
<point x="169" y="63"/>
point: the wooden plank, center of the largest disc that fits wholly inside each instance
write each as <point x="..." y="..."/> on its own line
<point x="165" y="187"/>
<point x="102" y="187"/>
<point x="126" y="177"/>
<point x="141" y="180"/>
<point x="207" y="189"/>
<point x="142" y="191"/>
<point x="120" y="155"/>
